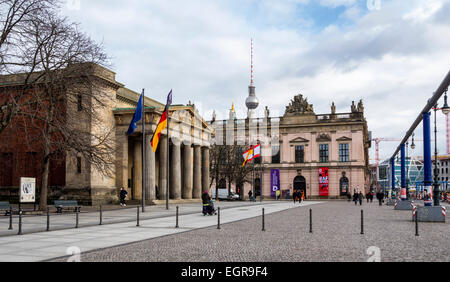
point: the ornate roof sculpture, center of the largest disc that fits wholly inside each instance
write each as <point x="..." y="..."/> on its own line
<point x="299" y="106"/>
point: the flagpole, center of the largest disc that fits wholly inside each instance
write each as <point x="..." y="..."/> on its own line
<point x="167" y="162"/>
<point x="143" y="153"/>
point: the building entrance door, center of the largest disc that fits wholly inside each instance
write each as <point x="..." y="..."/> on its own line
<point x="300" y="184"/>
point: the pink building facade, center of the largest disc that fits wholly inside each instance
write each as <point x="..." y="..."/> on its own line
<point x="325" y="156"/>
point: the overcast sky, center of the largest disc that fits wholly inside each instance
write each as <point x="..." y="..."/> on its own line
<point x="393" y="54"/>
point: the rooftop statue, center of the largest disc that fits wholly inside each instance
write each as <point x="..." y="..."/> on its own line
<point x="299" y="106"/>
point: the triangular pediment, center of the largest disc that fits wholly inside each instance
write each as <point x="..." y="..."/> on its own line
<point x="299" y="140"/>
<point x="343" y="139"/>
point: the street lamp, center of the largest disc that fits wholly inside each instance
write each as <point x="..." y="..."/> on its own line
<point x="445" y="108"/>
<point x="435" y="184"/>
<point x="413" y="146"/>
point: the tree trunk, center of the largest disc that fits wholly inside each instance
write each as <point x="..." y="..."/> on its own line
<point x="44" y="180"/>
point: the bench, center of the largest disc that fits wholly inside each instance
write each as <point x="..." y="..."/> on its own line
<point x="5" y="206"/>
<point x="60" y="204"/>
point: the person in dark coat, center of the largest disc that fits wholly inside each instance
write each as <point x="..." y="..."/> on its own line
<point x="206" y="198"/>
<point x="380" y="198"/>
<point x="123" y="195"/>
<point x="360" y="198"/>
<point x="355" y="198"/>
<point x="250" y="193"/>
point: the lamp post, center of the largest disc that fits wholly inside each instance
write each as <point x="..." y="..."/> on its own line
<point x="436" y="191"/>
<point x="435" y="184"/>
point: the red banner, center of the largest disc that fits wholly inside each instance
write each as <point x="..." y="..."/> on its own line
<point x="323" y="181"/>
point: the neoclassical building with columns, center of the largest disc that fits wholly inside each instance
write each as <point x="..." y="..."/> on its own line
<point x="73" y="178"/>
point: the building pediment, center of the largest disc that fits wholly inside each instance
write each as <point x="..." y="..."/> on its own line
<point x="299" y="140"/>
<point x="323" y="137"/>
<point x="344" y="139"/>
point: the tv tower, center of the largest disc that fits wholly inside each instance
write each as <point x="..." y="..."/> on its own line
<point x="251" y="102"/>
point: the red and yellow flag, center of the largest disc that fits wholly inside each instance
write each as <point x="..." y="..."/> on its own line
<point x="162" y="123"/>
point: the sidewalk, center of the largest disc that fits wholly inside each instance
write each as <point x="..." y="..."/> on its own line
<point x="156" y="222"/>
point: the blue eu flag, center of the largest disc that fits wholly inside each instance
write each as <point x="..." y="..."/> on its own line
<point x="137" y="115"/>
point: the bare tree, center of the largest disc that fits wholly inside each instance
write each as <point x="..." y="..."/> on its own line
<point x="15" y="18"/>
<point x="64" y="112"/>
<point x="226" y="162"/>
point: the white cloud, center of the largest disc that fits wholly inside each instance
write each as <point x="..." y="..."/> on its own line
<point x="393" y="58"/>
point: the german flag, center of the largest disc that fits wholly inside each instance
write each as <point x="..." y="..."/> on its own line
<point x="162" y="123"/>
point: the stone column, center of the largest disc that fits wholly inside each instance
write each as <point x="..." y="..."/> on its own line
<point x="175" y="171"/>
<point x="197" y="189"/>
<point x="162" y="167"/>
<point x="122" y="162"/>
<point x="150" y="167"/>
<point x="188" y="172"/>
<point x="137" y="164"/>
<point x="205" y="169"/>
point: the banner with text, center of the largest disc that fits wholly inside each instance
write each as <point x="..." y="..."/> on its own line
<point x="274" y="181"/>
<point x="323" y="181"/>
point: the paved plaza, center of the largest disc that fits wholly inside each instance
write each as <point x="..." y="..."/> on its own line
<point x="336" y="235"/>
<point x="336" y="238"/>
<point x="40" y="246"/>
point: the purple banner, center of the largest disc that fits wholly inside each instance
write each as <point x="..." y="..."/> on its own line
<point x="274" y="181"/>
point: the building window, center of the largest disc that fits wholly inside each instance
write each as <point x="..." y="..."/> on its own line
<point x="80" y="102"/>
<point x="299" y="154"/>
<point x="323" y="153"/>
<point x="78" y="164"/>
<point x="275" y="154"/>
<point x="344" y="153"/>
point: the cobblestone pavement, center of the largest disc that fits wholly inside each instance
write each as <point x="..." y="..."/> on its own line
<point x="336" y="237"/>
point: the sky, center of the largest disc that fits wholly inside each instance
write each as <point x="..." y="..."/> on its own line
<point x="392" y="54"/>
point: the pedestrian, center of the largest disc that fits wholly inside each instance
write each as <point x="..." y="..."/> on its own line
<point x="368" y="197"/>
<point x="371" y="197"/>
<point x="123" y="195"/>
<point x="355" y="198"/>
<point x="156" y="192"/>
<point x="360" y="198"/>
<point x="277" y="194"/>
<point x="380" y="198"/>
<point x="250" y="193"/>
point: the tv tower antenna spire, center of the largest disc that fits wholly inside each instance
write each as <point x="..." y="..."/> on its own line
<point x="251" y="102"/>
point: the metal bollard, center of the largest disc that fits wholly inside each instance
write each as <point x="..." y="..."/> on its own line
<point x="20" y="222"/>
<point x="310" y="221"/>
<point x="137" y="216"/>
<point x="218" y="218"/>
<point x="76" y="219"/>
<point x="101" y="215"/>
<point x="48" y="219"/>
<point x="10" y="218"/>
<point x="263" y="227"/>
<point x="176" y="219"/>
<point x="417" y="225"/>
<point x="362" y="222"/>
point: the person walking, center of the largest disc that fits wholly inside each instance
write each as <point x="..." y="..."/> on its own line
<point x="368" y="197"/>
<point x="355" y="198"/>
<point x="380" y="198"/>
<point x="360" y="198"/>
<point x="250" y="193"/>
<point x="123" y="195"/>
